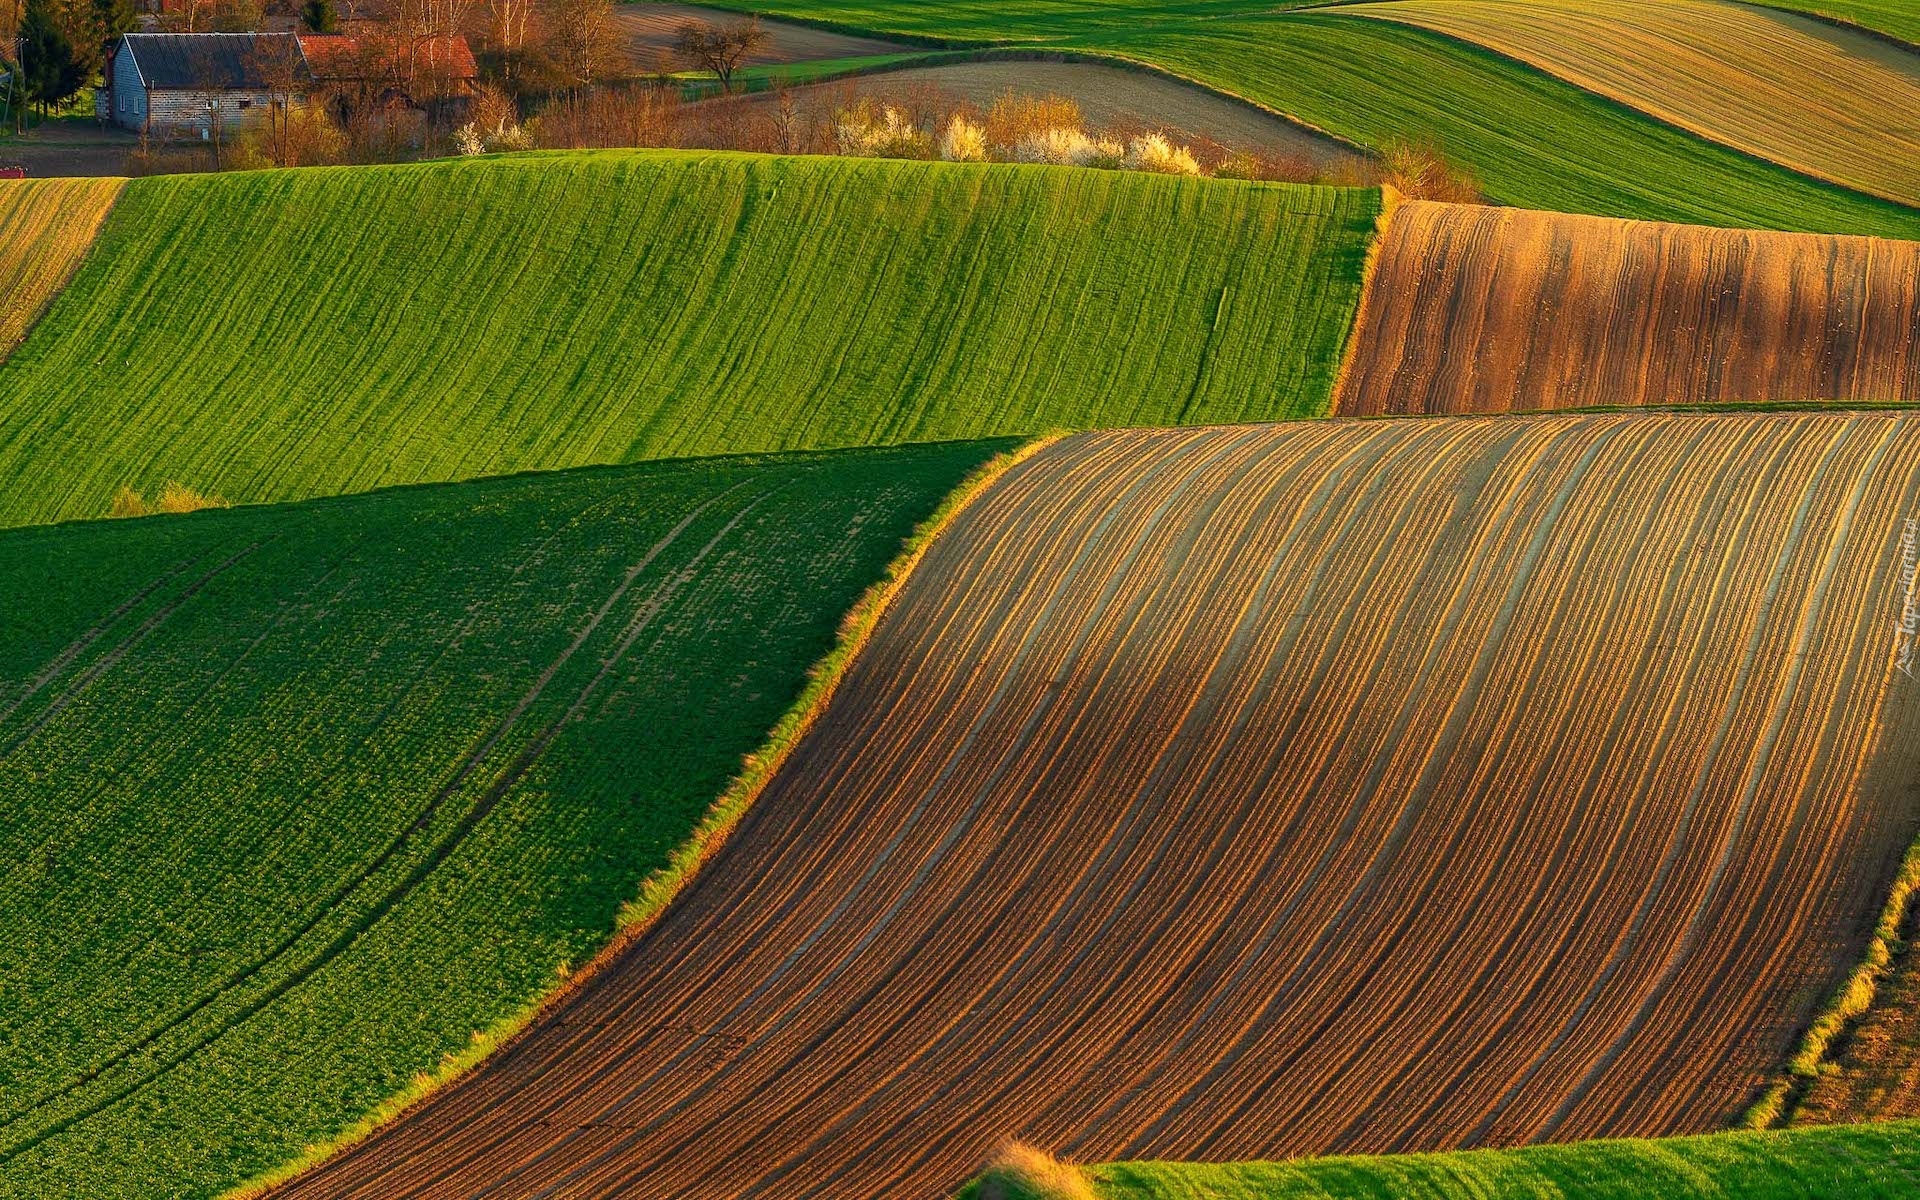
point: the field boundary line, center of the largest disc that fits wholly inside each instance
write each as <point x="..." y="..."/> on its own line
<point x="1878" y="35"/>
<point x="658" y="890"/>
<point x="1854" y="998"/>
<point x="1520" y="64"/>
<point x="1391" y="202"/>
<point x="66" y="276"/>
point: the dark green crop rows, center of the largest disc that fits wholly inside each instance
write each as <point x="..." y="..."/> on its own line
<point x="281" y="335"/>
<point x="293" y="800"/>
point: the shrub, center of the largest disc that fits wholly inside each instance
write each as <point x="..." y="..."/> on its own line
<point x="1155" y="153"/>
<point x="865" y="132"/>
<point x="1069" y="147"/>
<point x="467" y="140"/>
<point x="1420" y="171"/>
<point x="1014" y="118"/>
<point x="1017" y="1171"/>
<point x="174" y="498"/>
<point x="964" y="141"/>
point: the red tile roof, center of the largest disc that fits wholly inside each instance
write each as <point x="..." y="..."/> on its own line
<point x="333" y="55"/>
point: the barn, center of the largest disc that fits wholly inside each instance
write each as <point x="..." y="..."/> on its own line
<point x="199" y="84"/>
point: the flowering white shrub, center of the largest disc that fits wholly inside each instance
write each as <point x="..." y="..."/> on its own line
<point x="510" y="137"/>
<point x="1154" y="153"/>
<point x="963" y="142"/>
<point x="1068" y="147"/>
<point x="467" y="140"/>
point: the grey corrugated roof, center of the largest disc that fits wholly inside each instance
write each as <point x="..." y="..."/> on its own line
<point x="209" y="60"/>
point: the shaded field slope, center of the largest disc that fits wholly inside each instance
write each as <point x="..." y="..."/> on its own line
<point x="280" y="335"/>
<point x="1896" y="19"/>
<point x="46" y="227"/>
<point x="1868" y="1162"/>
<point x="1220" y="794"/>
<point x="1472" y="309"/>
<point x="296" y="799"/>
<point x="1833" y="104"/>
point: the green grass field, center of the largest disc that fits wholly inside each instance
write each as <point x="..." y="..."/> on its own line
<point x="1534" y="141"/>
<point x="1857" y="1162"/>
<point x="280" y="335"/>
<point x="1898" y="19"/>
<point x="295" y="799"/>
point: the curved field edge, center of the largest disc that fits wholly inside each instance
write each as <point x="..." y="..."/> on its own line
<point x="378" y="670"/>
<point x="1895" y="22"/>
<point x="1535" y="140"/>
<point x="458" y="319"/>
<point x="47" y="226"/>
<point x="1764" y="83"/>
<point x="639" y="914"/>
<point x="1862" y="1162"/>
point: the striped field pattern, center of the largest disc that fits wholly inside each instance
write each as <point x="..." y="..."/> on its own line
<point x="280" y="335"/>
<point x="46" y="226"/>
<point x="1832" y="103"/>
<point x="1259" y="791"/>
<point x="1472" y="309"/>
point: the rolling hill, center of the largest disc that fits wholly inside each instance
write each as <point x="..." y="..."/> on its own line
<point x="1771" y="84"/>
<point x="1472" y="309"/>
<point x="1220" y="794"/>
<point x="1896" y="19"/>
<point x="296" y="800"/>
<point x="1535" y="141"/>
<point x="280" y="335"/>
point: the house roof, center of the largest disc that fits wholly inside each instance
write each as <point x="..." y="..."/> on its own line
<point x="225" y="61"/>
<point x="337" y="55"/>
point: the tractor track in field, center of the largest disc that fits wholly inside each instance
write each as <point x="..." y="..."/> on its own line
<point x="1261" y="791"/>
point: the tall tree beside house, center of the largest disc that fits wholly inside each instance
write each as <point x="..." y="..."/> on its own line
<point x="52" y="71"/>
<point x="111" y="18"/>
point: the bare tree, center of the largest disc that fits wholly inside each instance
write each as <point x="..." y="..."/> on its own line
<point x="720" y="49"/>
<point x="280" y="67"/>
<point x="582" y="39"/>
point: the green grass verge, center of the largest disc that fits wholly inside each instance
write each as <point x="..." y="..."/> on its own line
<point x="298" y="801"/>
<point x="281" y="335"/>
<point x="1896" y="19"/>
<point x="1535" y="141"/>
<point x="1853" y="1162"/>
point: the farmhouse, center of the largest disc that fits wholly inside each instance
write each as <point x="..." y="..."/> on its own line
<point x="195" y="84"/>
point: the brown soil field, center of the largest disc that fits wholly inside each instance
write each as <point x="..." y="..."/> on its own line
<point x="1833" y="103"/>
<point x="1115" y="96"/>
<point x="1876" y="1076"/>
<point x="1270" y="790"/>
<point x="1473" y="309"/>
<point x="46" y="226"/>
<point x="650" y="29"/>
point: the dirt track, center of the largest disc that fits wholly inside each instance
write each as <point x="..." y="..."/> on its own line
<point x="1473" y="309"/>
<point x="1224" y="794"/>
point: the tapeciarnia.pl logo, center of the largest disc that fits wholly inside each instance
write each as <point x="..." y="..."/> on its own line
<point x="1904" y="634"/>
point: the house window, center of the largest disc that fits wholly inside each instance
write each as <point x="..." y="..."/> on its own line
<point x="246" y="102"/>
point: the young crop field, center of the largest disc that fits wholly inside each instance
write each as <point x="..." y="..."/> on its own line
<point x="1343" y="786"/>
<point x="1533" y="140"/>
<point x="279" y="335"/>
<point x="46" y="226"/>
<point x="1773" y="85"/>
<point x="1873" y="1162"/>
<point x="296" y="799"/>
<point x="1472" y="309"/>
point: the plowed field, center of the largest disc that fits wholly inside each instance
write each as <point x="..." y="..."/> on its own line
<point x="1832" y="103"/>
<point x="46" y="226"/>
<point x="1223" y="793"/>
<point x="1474" y="309"/>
